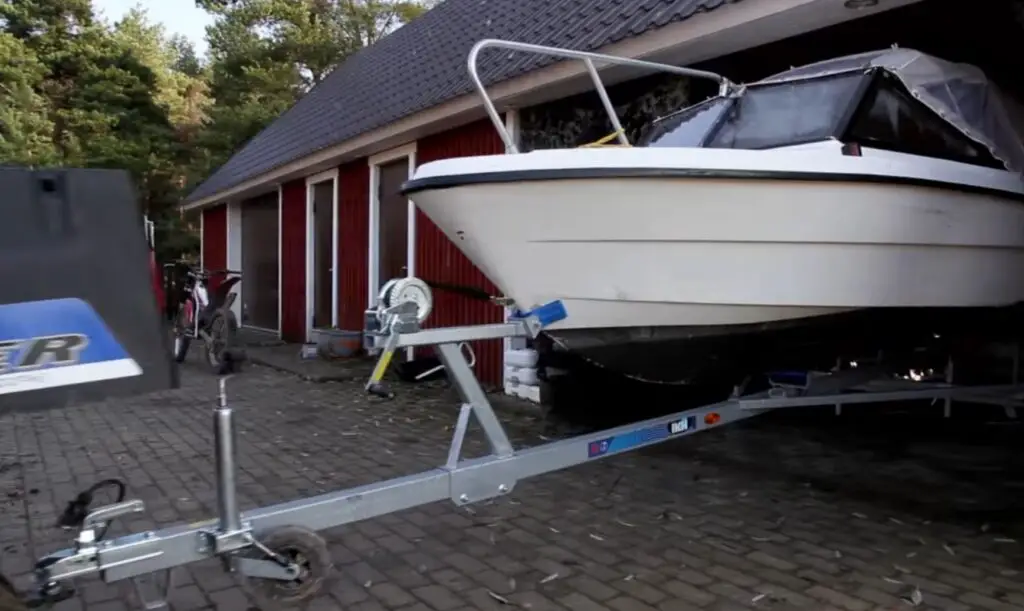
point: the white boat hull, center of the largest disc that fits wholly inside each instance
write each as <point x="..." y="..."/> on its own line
<point x="699" y="251"/>
<point x="705" y="252"/>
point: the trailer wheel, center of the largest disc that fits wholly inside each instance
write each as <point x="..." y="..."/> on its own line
<point x="301" y="546"/>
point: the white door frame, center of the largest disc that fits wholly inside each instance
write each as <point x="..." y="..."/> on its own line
<point x="407" y="151"/>
<point x="202" y="236"/>
<point x="233" y="259"/>
<point x="236" y="260"/>
<point x="280" y="269"/>
<point x="311" y="182"/>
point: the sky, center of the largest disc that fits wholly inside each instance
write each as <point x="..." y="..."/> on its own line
<point x="177" y="16"/>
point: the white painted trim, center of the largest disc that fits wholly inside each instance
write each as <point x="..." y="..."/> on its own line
<point x="725" y="30"/>
<point x="335" y="288"/>
<point x="407" y="151"/>
<point x="202" y="237"/>
<point x="394" y="154"/>
<point x="311" y="182"/>
<point x="322" y="177"/>
<point x="310" y="246"/>
<point x="280" y="264"/>
<point x="372" y="225"/>
<point x="233" y="258"/>
<point x="410" y="244"/>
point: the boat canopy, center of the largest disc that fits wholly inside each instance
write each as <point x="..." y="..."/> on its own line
<point x="874" y="98"/>
<point x="959" y="93"/>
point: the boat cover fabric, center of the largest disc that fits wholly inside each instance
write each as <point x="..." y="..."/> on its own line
<point x="959" y="93"/>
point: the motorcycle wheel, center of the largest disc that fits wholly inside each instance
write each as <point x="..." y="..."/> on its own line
<point x="223" y="332"/>
<point x="180" y="342"/>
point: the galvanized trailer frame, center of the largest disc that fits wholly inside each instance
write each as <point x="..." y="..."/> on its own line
<point x="139" y="556"/>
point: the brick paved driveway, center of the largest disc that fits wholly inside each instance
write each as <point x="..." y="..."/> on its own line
<point x="764" y="515"/>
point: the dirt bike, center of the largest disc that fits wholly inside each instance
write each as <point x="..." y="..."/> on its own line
<point x="204" y="312"/>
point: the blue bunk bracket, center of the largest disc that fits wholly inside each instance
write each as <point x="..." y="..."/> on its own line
<point x="547" y="314"/>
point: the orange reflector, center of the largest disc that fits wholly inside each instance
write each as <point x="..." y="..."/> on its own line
<point x="711" y="418"/>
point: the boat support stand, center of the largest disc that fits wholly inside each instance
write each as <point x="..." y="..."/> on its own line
<point x="275" y="551"/>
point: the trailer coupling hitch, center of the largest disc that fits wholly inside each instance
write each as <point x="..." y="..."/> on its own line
<point x="92" y="525"/>
<point x="47" y="595"/>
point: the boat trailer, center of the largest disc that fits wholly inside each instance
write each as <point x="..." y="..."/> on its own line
<point x="275" y="551"/>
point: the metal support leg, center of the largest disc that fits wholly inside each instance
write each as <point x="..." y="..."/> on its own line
<point x="473" y="395"/>
<point x="231" y="533"/>
<point x="224" y="435"/>
<point x="458" y="436"/>
<point x="620" y="133"/>
<point x="152" y="589"/>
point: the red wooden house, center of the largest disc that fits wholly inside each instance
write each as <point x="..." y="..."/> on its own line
<point x="310" y="209"/>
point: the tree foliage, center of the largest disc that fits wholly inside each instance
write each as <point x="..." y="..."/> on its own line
<point x="78" y="90"/>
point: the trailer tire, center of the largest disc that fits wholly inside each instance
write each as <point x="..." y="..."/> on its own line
<point x="300" y="545"/>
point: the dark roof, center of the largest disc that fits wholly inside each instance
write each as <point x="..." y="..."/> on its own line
<point x="423" y="64"/>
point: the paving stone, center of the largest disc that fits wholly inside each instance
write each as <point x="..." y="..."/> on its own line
<point x="771" y="514"/>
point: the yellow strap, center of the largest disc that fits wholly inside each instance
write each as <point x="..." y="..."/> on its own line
<point x="382" y="366"/>
<point x="604" y="141"/>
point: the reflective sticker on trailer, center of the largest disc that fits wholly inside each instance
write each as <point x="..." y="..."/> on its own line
<point x="58" y="342"/>
<point x="641" y="436"/>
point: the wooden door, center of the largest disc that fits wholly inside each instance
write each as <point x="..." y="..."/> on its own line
<point x="323" y="253"/>
<point x="260" y="261"/>
<point x="393" y="214"/>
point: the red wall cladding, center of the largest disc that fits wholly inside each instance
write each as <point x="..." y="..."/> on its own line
<point x="439" y="260"/>
<point x="215" y="239"/>
<point x="293" y="261"/>
<point x="353" y="243"/>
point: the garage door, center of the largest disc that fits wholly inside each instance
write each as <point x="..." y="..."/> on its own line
<point x="260" y="258"/>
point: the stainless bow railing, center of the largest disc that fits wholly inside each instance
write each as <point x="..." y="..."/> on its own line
<point x="588" y="59"/>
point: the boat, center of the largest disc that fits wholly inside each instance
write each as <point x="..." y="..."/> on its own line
<point x="857" y="205"/>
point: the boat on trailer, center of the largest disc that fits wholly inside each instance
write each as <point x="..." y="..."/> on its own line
<point x="275" y="551"/>
<point x="862" y="204"/>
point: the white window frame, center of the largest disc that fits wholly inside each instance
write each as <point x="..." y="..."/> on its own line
<point x="311" y="182"/>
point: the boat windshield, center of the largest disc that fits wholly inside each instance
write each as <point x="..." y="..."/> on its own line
<point x="762" y="116"/>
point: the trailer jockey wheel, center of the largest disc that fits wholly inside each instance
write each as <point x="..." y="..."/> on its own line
<point x="292" y="544"/>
